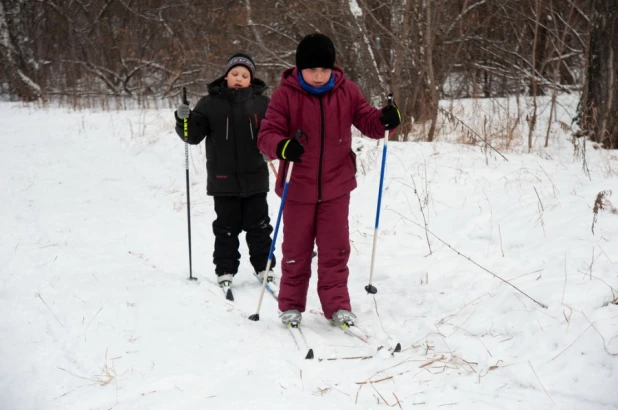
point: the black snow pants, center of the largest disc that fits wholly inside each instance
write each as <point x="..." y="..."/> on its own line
<point x="234" y="215"/>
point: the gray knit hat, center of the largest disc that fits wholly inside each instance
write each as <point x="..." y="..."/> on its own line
<point x="243" y="60"/>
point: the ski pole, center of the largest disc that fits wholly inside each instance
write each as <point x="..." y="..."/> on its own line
<point x="186" y="137"/>
<point x="256" y="316"/>
<point x="370" y="288"/>
<point x="273" y="168"/>
<point x="314" y="253"/>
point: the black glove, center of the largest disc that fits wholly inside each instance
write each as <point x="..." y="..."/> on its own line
<point x="290" y="150"/>
<point x="183" y="111"/>
<point x="391" y="117"/>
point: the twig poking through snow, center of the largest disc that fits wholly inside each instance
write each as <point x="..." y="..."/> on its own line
<point x="537" y="195"/>
<point x="567" y="348"/>
<point x="50" y="311"/>
<point x="95" y="315"/>
<point x="420" y="204"/>
<point x="537" y="377"/>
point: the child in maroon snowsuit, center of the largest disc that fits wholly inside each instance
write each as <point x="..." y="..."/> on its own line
<point x="316" y="98"/>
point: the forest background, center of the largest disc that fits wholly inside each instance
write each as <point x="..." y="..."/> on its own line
<point x="89" y="53"/>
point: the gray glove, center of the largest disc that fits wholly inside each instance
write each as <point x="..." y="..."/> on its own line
<point x="183" y="111"/>
<point x="266" y="159"/>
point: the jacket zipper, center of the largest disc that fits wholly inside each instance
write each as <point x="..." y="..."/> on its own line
<point x="250" y="127"/>
<point x="321" y="149"/>
<point x="227" y="126"/>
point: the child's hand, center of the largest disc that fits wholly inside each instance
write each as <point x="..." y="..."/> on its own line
<point x="183" y="111"/>
<point x="290" y="150"/>
<point x="391" y="117"/>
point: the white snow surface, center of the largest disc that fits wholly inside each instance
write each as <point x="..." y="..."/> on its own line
<point x="97" y="311"/>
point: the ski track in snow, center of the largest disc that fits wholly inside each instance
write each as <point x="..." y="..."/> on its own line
<point x="98" y="312"/>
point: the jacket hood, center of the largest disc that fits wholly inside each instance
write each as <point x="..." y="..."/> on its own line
<point x="217" y="86"/>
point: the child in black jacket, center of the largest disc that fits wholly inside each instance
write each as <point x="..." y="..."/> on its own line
<point x="229" y="117"/>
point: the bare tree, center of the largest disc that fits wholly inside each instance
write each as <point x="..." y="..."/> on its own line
<point x="601" y="100"/>
<point x="421" y="50"/>
<point x="16" y="49"/>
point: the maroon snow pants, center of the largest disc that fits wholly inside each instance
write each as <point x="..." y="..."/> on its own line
<point x="326" y="223"/>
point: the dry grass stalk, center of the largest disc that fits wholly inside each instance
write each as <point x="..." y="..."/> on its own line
<point x="345" y="358"/>
<point x="376" y="381"/>
<point x="375" y="374"/>
<point x="336" y="389"/>
<point x="567" y="348"/>
<point x="600" y="203"/>
<point x="500" y="234"/>
<point x="599" y="333"/>
<point x="592" y="261"/>
<point x="537" y="195"/>
<point x="565" y="280"/>
<point x="526" y="274"/>
<point x="537" y="377"/>
<point x="380" y="394"/>
<point x="422" y="213"/>
<point x="453" y="119"/>
<point x="70" y="391"/>
<point x="445" y="319"/>
<point x="375" y="302"/>
<point x="398" y="402"/>
<point x="95" y="315"/>
<point x="432" y="362"/>
<point x="50" y="311"/>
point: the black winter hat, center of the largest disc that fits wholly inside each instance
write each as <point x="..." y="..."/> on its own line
<point x="315" y="50"/>
<point x="243" y="60"/>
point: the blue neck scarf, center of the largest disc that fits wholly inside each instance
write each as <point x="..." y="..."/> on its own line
<point x="316" y="90"/>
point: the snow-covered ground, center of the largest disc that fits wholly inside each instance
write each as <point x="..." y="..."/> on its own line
<point x="97" y="311"/>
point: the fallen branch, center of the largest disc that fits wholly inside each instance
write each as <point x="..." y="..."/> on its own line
<point x="469" y="259"/>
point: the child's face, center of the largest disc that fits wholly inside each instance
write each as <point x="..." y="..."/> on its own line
<point x="238" y="77"/>
<point x="316" y="77"/>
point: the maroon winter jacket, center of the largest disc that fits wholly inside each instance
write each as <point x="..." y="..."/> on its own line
<point x="328" y="166"/>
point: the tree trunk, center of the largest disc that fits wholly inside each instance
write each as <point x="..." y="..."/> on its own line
<point x="15" y="64"/>
<point x="600" y="118"/>
<point x="431" y="88"/>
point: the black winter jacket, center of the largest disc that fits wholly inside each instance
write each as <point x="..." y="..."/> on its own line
<point x="230" y="119"/>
